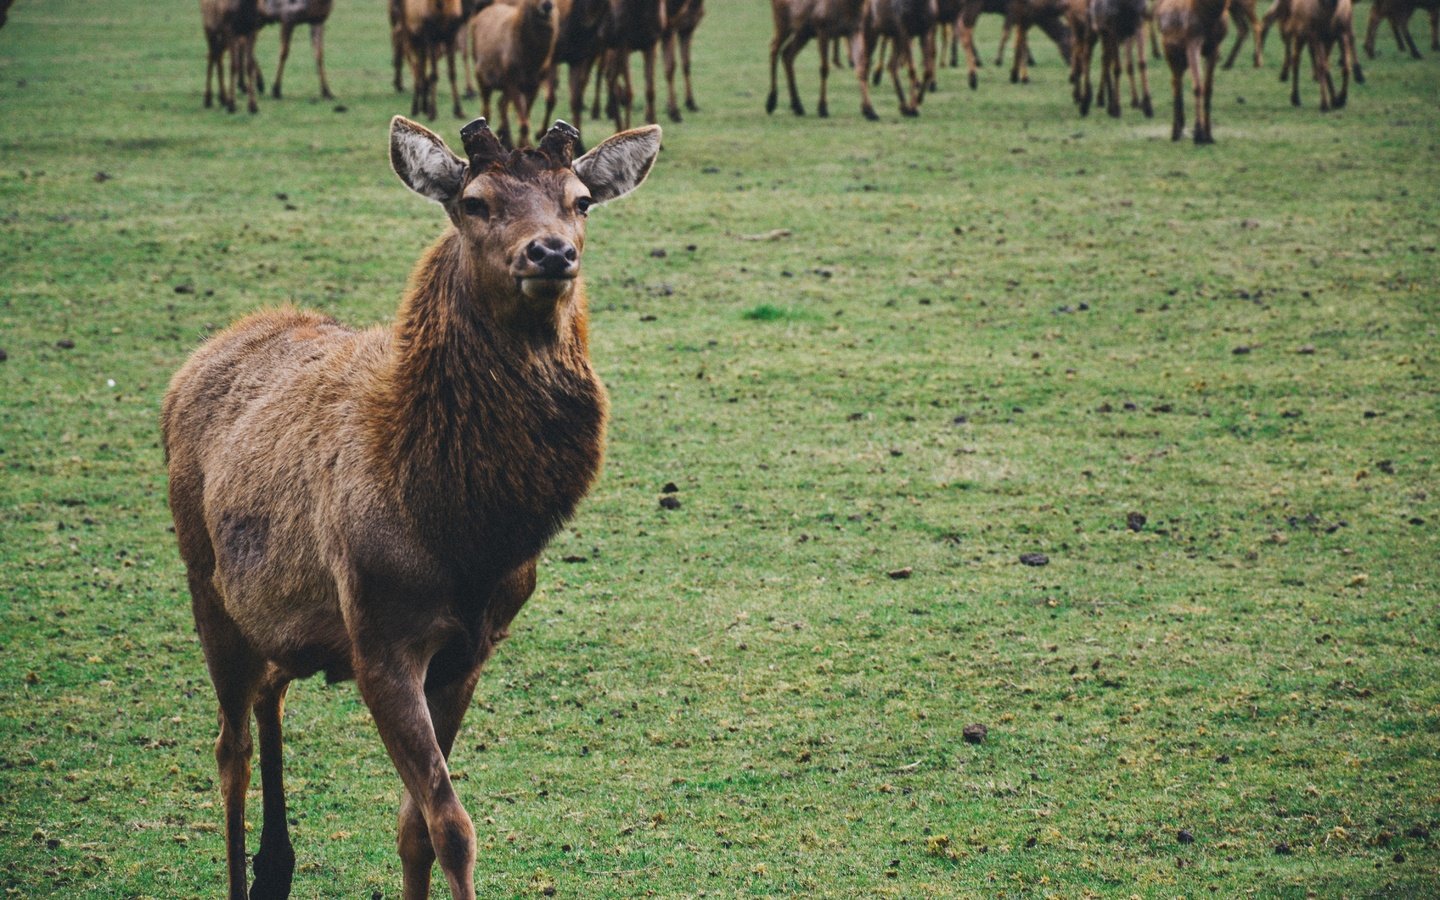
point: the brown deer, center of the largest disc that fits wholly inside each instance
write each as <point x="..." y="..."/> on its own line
<point x="1190" y="36"/>
<point x="682" y="17"/>
<point x="1245" y="16"/>
<point x="4" y="11"/>
<point x="230" y="27"/>
<point x="1021" y="15"/>
<point x="901" y="22"/>
<point x="1115" y="25"/>
<point x="423" y="31"/>
<point x="371" y="504"/>
<point x="577" y="42"/>
<point x="1398" y="13"/>
<point x="1053" y="25"/>
<point x="513" y="45"/>
<point x="796" y="22"/>
<point x="290" y="14"/>
<point x="1320" y="26"/>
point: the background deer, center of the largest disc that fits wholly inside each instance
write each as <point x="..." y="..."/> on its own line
<point x="230" y="27"/>
<point x="796" y="22"/>
<point x="1398" y="13"/>
<point x="682" y="17"/>
<point x="423" y="31"/>
<point x="901" y="21"/>
<point x="1190" y="36"/>
<point x="289" y="14"/>
<point x="371" y="504"/>
<point x="513" y="46"/>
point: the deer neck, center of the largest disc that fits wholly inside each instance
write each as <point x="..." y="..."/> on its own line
<point x="493" y="426"/>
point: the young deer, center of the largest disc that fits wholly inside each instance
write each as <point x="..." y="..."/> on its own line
<point x="371" y="504"/>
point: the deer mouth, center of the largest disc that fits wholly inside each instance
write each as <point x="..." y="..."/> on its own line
<point x="545" y="287"/>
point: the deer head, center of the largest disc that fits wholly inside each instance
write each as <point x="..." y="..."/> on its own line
<point x="520" y="215"/>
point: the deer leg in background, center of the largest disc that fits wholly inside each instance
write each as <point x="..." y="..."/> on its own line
<point x="882" y="46"/>
<point x="972" y="59"/>
<point x="1018" y="74"/>
<point x="274" y="864"/>
<point x="929" y="55"/>
<point x="860" y="59"/>
<point x="1292" y="63"/>
<point x="317" y="43"/>
<point x="777" y="43"/>
<point x="900" y="55"/>
<point x="1004" y="37"/>
<point x="211" y="64"/>
<point x="685" y="40"/>
<point x="822" y="109"/>
<point x="469" y="61"/>
<point x="672" y="106"/>
<point x="1320" y="56"/>
<point x="1175" y="57"/>
<point x="1207" y="62"/>
<point x="1240" y="33"/>
<point x="450" y="70"/>
<point x="648" y="55"/>
<point x="1146" y="106"/>
<point x="248" y="56"/>
<point x="1346" y="46"/>
<point x="286" y="30"/>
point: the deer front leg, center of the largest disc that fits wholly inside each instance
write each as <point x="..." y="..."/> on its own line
<point x="685" y="70"/>
<point x="672" y="105"/>
<point x="860" y="50"/>
<point x="450" y="70"/>
<point x="434" y="826"/>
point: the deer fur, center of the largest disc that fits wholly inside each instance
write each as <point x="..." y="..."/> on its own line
<point x="1190" y="35"/>
<point x="423" y="31"/>
<point x="682" y="17"/>
<point x="290" y="14"/>
<point x="513" y="46"/>
<point x="902" y="22"/>
<point x="230" y="27"/>
<point x="371" y="504"/>
<point x="796" y="22"/>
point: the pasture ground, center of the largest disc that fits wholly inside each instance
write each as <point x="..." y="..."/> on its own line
<point x="995" y="330"/>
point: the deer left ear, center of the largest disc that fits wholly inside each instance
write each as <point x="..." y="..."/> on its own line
<point x="620" y="163"/>
<point x="423" y="162"/>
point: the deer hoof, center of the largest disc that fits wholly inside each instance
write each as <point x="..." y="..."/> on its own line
<point x="690" y="105"/>
<point x="823" y="110"/>
<point x="1147" y="108"/>
<point x="909" y="112"/>
<point x="869" y="112"/>
<point x="674" y="113"/>
<point x="974" y="81"/>
<point x="770" y="102"/>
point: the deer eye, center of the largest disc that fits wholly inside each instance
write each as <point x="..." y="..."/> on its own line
<point x="583" y="204"/>
<point x="474" y="206"/>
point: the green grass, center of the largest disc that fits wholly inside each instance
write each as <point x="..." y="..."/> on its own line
<point x="995" y="330"/>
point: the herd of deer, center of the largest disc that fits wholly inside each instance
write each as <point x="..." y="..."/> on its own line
<point x="509" y="48"/>
<point x="1187" y="33"/>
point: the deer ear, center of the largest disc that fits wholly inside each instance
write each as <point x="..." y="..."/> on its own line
<point x="620" y="163"/>
<point x="423" y="162"/>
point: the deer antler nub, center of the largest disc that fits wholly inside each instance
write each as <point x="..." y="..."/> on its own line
<point x="559" y="143"/>
<point x="481" y="145"/>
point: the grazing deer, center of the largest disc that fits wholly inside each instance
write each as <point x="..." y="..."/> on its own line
<point x="371" y="504"/>
<point x="796" y="22"/>
<point x="230" y="27"/>
<point x="423" y="31"/>
<point x="901" y="21"/>
<point x="1190" y="36"/>
<point x="1320" y="26"/>
<point x="682" y="17"/>
<point x="513" y="45"/>
<point x="289" y="14"/>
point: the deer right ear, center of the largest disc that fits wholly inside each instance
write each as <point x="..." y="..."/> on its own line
<point x="423" y="162"/>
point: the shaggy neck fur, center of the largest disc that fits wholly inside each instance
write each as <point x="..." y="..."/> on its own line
<point x="493" y="422"/>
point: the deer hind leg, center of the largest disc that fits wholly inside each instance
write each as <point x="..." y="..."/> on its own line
<point x="1176" y="58"/>
<point x="317" y="43"/>
<point x="1146" y="106"/>
<point x="668" y="52"/>
<point x="822" y="108"/>
<point x="1208" y="61"/>
<point x="274" y="864"/>
<point x="788" y="53"/>
<point x="648" y="55"/>
<point x="454" y="88"/>
<point x="236" y="673"/>
<point x="860" y="52"/>
<point x="685" y="40"/>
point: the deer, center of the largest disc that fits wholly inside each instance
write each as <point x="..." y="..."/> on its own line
<point x="576" y="45"/>
<point x="1053" y="25"/>
<point x="632" y="26"/>
<point x="902" y="22"/>
<point x="1398" y="13"/>
<point x="230" y="27"/>
<point x="1190" y="35"/>
<point x="682" y="17"/>
<point x="796" y="22"/>
<point x="290" y="14"/>
<point x="1021" y="15"/>
<point x="1114" y="24"/>
<point x="372" y="504"/>
<point x="1320" y="25"/>
<point x="422" y="31"/>
<point x="513" y="45"/>
<point x="1245" y="16"/>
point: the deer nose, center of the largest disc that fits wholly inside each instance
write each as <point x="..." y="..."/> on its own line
<point x="554" y="256"/>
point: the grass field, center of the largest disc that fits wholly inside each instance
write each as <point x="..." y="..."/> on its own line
<point x="994" y="331"/>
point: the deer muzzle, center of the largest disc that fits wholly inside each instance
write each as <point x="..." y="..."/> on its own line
<point x="547" y="267"/>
